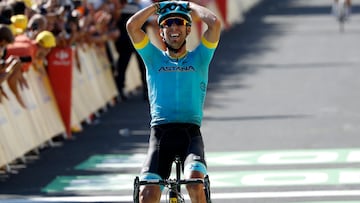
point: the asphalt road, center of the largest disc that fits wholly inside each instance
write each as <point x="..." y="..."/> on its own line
<point x="281" y="124"/>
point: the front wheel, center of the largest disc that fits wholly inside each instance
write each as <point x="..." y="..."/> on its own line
<point x="136" y="190"/>
<point x="207" y="189"/>
<point x="173" y="196"/>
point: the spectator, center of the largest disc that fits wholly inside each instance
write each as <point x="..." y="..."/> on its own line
<point x="18" y="7"/>
<point x="19" y="24"/>
<point x="10" y="68"/>
<point x="36" y="49"/>
<point x="126" y="49"/>
<point x="6" y="37"/>
<point x="5" y="13"/>
<point x="36" y="24"/>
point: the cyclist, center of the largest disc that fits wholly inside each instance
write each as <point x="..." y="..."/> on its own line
<point x="177" y="81"/>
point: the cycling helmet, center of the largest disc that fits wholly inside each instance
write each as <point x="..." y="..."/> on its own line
<point x="174" y="9"/>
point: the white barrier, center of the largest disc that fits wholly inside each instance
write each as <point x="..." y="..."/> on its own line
<point x="93" y="83"/>
<point x="23" y="130"/>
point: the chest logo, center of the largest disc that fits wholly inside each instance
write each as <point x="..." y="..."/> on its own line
<point x="176" y="69"/>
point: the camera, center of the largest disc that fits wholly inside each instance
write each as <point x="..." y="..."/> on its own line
<point x="25" y="59"/>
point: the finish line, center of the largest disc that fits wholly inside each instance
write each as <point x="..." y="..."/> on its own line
<point x="241" y="195"/>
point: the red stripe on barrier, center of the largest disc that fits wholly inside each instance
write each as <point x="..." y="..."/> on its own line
<point x="60" y="75"/>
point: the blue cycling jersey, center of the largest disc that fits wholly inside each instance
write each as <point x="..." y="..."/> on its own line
<point x="177" y="87"/>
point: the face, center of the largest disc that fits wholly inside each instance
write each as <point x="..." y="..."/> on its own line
<point x="174" y="31"/>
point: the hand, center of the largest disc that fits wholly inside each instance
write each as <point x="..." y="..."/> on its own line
<point x="163" y="6"/>
<point x="159" y="6"/>
<point x="15" y="79"/>
<point x="7" y="67"/>
<point x="184" y="4"/>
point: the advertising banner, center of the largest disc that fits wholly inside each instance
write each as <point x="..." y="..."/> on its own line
<point x="60" y="75"/>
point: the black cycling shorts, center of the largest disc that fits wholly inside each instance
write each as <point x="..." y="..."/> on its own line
<point x="169" y="140"/>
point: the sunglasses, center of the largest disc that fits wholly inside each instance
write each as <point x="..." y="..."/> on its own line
<point x="178" y="21"/>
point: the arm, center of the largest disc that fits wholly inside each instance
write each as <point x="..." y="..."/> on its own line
<point x="14" y="76"/>
<point x="8" y="67"/>
<point x="212" y="34"/>
<point x="134" y="24"/>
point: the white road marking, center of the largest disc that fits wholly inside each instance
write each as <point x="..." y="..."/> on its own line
<point x="241" y="195"/>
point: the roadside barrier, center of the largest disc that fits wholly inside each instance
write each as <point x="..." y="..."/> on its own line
<point x="89" y="87"/>
<point x="25" y="130"/>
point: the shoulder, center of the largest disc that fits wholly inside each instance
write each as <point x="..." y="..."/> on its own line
<point x="143" y="43"/>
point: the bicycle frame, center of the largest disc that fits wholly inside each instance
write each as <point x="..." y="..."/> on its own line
<point x="173" y="185"/>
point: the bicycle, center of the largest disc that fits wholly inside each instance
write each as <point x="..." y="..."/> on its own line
<point x="342" y="11"/>
<point x="173" y="185"/>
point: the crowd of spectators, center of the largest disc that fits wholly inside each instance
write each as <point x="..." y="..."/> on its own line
<point x="29" y="29"/>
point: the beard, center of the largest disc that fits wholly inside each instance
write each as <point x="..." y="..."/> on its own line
<point x="173" y="49"/>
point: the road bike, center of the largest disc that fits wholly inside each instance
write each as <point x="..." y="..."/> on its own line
<point x="342" y="11"/>
<point x="173" y="185"/>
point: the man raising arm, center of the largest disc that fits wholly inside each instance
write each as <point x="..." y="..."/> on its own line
<point x="177" y="81"/>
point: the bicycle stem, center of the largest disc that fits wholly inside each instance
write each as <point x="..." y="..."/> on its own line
<point x="178" y="178"/>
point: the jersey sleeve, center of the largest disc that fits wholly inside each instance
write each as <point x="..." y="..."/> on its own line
<point x="206" y="50"/>
<point x="147" y="51"/>
<point x="209" y="45"/>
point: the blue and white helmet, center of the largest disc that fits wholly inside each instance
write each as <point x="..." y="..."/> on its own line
<point x="174" y="9"/>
